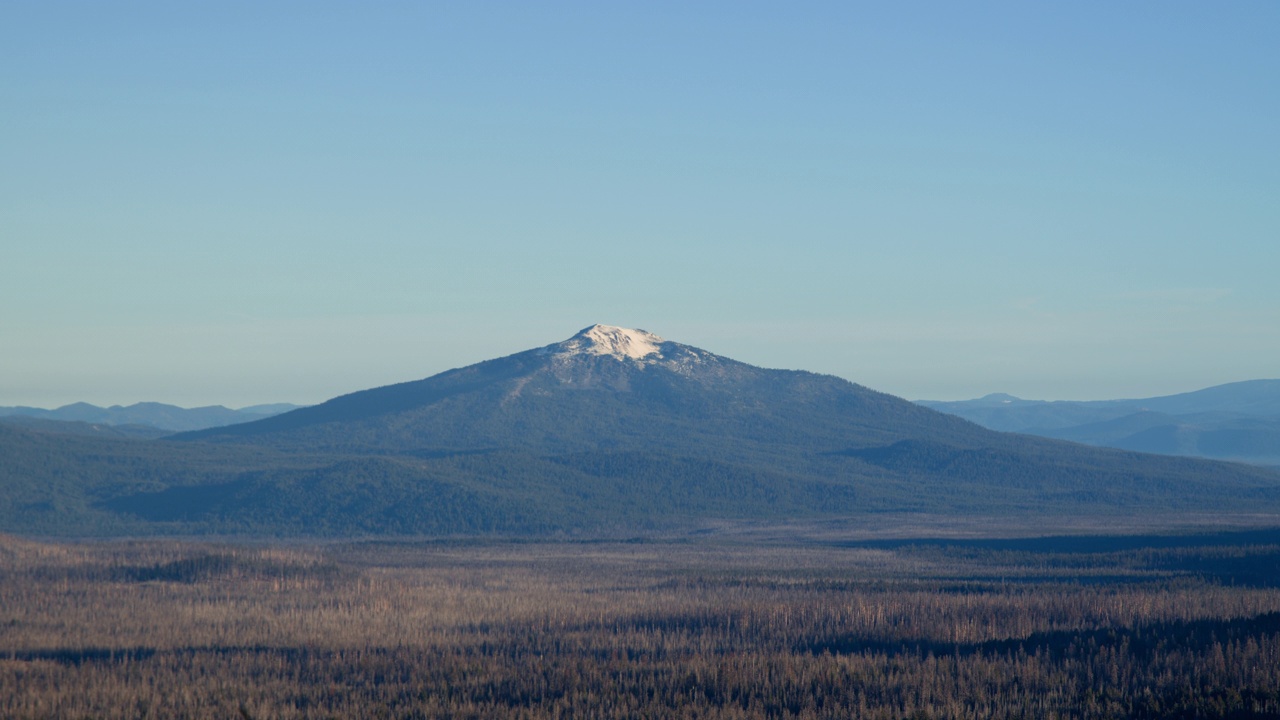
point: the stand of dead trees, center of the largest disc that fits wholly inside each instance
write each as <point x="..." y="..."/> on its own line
<point x="192" y="630"/>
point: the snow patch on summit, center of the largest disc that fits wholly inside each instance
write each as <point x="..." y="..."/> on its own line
<point x="614" y="341"/>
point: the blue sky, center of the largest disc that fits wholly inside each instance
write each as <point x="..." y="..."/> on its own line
<point x="233" y="203"/>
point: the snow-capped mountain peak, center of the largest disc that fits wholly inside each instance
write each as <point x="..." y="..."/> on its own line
<point x="617" y="342"/>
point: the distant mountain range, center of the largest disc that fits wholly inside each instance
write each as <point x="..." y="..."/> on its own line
<point x="1237" y="421"/>
<point x="142" y="415"/>
<point x="613" y="431"/>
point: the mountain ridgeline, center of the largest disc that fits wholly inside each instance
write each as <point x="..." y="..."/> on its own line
<point x="1238" y="421"/>
<point x="140" y="419"/>
<point x="612" y="431"/>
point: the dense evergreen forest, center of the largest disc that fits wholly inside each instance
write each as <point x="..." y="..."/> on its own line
<point x="1150" y="628"/>
<point x="57" y="484"/>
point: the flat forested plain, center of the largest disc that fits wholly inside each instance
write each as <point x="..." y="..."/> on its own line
<point x="708" y="627"/>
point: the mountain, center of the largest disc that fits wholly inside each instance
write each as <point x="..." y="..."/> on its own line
<point x="1237" y="421"/>
<point x="75" y="427"/>
<point x="613" y="431"/>
<point x="605" y="388"/>
<point x="1251" y="397"/>
<point x="151" y="414"/>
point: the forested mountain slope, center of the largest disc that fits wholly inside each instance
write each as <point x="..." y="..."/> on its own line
<point x="612" y="431"/>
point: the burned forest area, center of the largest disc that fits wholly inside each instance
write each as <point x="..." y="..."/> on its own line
<point x="711" y="627"/>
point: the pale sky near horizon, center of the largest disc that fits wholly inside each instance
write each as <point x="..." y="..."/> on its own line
<point x="244" y="202"/>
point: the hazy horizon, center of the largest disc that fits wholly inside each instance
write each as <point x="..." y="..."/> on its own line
<point x="253" y="403"/>
<point x="240" y="204"/>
